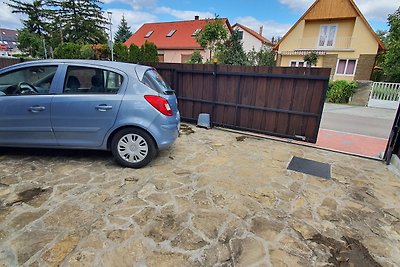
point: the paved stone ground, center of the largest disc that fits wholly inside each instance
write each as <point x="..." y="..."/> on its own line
<point x="214" y="199"/>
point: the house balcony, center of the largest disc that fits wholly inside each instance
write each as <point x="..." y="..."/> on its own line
<point x="314" y="43"/>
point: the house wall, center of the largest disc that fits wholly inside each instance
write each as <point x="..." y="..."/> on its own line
<point x="330" y="61"/>
<point x="363" y="41"/>
<point x="363" y="46"/>
<point x="175" y="56"/>
<point x="345" y="28"/>
<point x="291" y="41"/>
<point x="249" y="41"/>
<point x="365" y="66"/>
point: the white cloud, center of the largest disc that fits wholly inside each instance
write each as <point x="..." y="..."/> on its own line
<point x="371" y="9"/>
<point x="270" y="28"/>
<point x="377" y="10"/>
<point x="183" y="14"/>
<point x="8" y="19"/>
<point x="297" y="5"/>
<point x="135" y="19"/>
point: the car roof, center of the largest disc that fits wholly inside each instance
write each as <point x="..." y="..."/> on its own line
<point x="126" y="67"/>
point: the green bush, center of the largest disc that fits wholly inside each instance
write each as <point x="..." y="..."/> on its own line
<point x="121" y="52"/>
<point x="86" y="52"/>
<point x="149" y="52"/>
<point x="196" y="58"/>
<point x="68" y="50"/>
<point x="340" y="91"/>
<point x="134" y="54"/>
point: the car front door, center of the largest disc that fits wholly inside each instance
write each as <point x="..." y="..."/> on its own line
<point x="87" y="107"/>
<point x="25" y="101"/>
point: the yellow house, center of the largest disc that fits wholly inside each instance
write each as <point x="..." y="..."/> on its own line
<point x="341" y="36"/>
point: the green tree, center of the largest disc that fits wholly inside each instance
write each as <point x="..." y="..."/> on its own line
<point x="35" y="28"/>
<point x="80" y="21"/>
<point x="149" y="52"/>
<point x="58" y="21"/>
<point x="134" y="54"/>
<point x="121" y="52"/>
<point x="311" y="59"/>
<point x="30" y="43"/>
<point x="382" y="35"/>
<point x="264" y="57"/>
<point x="196" y="58"/>
<point x="37" y="12"/>
<point x="213" y="36"/>
<point x="233" y="54"/>
<point x="123" y="33"/>
<point x="391" y="61"/>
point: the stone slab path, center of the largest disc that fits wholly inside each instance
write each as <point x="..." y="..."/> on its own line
<point x="214" y="199"/>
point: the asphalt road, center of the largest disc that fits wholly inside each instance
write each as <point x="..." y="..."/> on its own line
<point x="374" y="122"/>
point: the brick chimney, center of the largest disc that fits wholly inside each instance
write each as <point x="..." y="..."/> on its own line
<point x="196" y="17"/>
<point x="261" y="30"/>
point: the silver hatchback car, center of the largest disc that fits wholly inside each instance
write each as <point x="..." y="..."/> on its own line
<point x="87" y="104"/>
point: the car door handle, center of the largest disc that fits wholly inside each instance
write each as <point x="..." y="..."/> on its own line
<point x="103" y="107"/>
<point x="36" y="109"/>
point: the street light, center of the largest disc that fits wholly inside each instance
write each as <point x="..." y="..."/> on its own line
<point x="109" y="13"/>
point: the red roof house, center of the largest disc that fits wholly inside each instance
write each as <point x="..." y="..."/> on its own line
<point x="175" y="41"/>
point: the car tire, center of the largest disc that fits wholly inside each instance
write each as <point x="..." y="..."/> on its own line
<point x="133" y="148"/>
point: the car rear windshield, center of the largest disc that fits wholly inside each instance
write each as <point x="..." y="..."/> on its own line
<point x="154" y="80"/>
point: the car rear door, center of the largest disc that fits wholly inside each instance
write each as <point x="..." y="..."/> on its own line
<point x="87" y="105"/>
<point x="25" y="99"/>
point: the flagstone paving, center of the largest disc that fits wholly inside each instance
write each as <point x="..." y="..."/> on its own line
<point x="214" y="199"/>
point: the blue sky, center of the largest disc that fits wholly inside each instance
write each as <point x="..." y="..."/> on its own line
<point x="276" y="16"/>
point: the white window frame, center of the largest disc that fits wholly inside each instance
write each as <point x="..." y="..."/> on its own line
<point x="334" y="37"/>
<point x="345" y="68"/>
<point x="297" y="63"/>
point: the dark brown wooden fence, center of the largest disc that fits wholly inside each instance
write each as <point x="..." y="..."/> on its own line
<point x="285" y="102"/>
<point x="5" y="62"/>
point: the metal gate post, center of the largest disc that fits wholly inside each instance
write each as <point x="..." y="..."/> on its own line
<point x="394" y="139"/>
<point x="214" y="92"/>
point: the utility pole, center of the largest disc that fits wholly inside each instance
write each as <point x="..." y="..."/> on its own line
<point x="1" y="37"/>
<point x="44" y="48"/>
<point x="109" y="13"/>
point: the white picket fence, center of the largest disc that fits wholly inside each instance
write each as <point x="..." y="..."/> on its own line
<point x="384" y="95"/>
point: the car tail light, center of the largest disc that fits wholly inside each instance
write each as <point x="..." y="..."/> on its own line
<point x="159" y="103"/>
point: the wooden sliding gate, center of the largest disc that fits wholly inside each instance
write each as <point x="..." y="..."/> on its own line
<point x="285" y="102"/>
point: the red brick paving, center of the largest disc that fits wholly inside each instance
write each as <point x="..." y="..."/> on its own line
<point x="352" y="143"/>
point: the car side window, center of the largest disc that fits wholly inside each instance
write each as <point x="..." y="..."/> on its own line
<point x="34" y="80"/>
<point x="86" y="80"/>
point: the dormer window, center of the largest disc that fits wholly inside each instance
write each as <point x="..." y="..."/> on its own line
<point x="171" y="33"/>
<point x="196" y="32"/>
<point x="148" y="34"/>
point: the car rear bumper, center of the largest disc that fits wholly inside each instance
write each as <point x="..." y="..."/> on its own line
<point x="166" y="132"/>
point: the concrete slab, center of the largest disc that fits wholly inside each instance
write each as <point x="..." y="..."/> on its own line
<point x="367" y="121"/>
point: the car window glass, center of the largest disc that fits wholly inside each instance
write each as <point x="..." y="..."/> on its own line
<point x="154" y="80"/>
<point x="86" y="80"/>
<point x="34" y="80"/>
